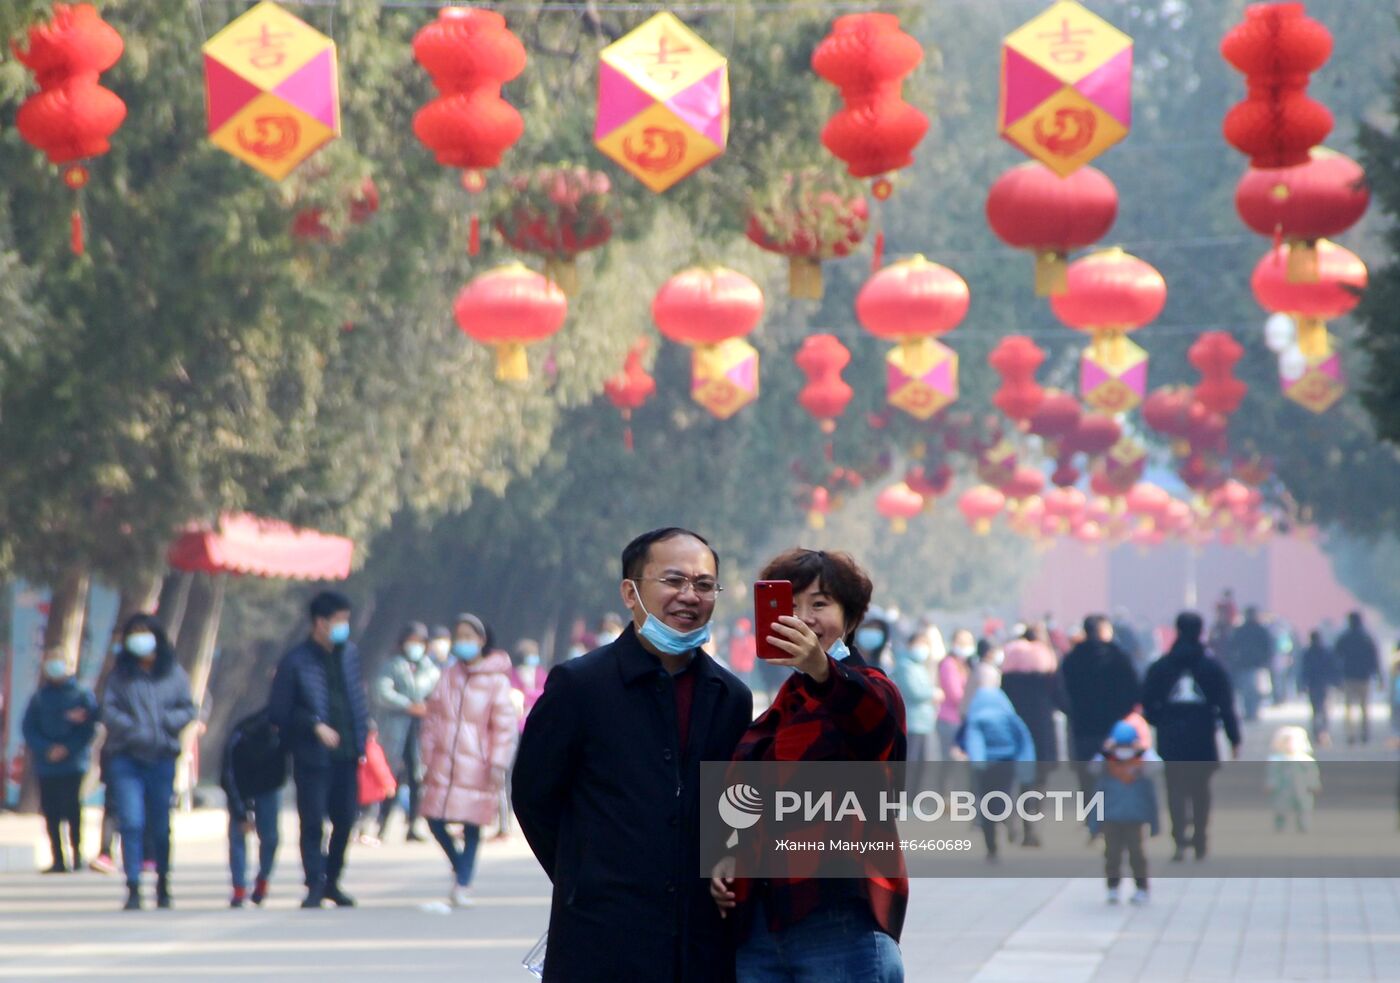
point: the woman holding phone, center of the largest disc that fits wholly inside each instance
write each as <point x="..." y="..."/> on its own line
<point x="834" y="707"/>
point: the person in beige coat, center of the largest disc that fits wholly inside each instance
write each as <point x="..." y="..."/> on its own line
<point x="466" y="745"/>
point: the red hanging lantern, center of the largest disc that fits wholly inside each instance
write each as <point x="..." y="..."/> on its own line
<point x="1214" y="355"/>
<point x="711" y="309"/>
<point x="72" y="117"/>
<point x="558" y="212"/>
<point x="818" y="508"/>
<point x="899" y="503"/>
<point x="821" y="359"/>
<point x="810" y="217"/>
<point x="510" y="307"/>
<point x="1057" y="416"/>
<point x="979" y="505"/>
<point x="1093" y="435"/>
<point x="1300" y="205"/>
<point x="930" y="485"/>
<point x="1031" y="207"/>
<point x="1015" y="359"/>
<point x="631" y="388"/>
<point x="1147" y="501"/>
<point x="1277" y="47"/>
<point x="867" y="56"/>
<point x="470" y="54"/>
<point x="1110" y="293"/>
<point x="361" y="205"/>
<point x="1341" y="278"/>
<point x="1065" y="475"/>
<point x="1066" y="505"/>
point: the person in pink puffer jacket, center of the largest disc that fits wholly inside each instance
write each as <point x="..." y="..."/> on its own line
<point x="466" y="745"/>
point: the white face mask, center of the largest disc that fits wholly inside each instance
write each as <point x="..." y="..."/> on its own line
<point x="964" y="651"/>
<point x="440" y="647"/>
<point x="919" y="653"/>
<point x="1125" y="753"/>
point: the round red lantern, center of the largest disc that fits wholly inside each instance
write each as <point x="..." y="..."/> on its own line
<point x="1015" y="359"/>
<point x="1110" y="292"/>
<point x="810" y="217"/>
<point x="1057" y="416"/>
<point x="979" y="506"/>
<point x="1093" y="435"/>
<point x="1147" y="500"/>
<point x="1031" y="207"/>
<point x="1026" y="482"/>
<point x="911" y="299"/>
<point x="510" y="307"/>
<point x="1341" y="277"/>
<point x="929" y="485"/>
<point x="1165" y="410"/>
<point x="867" y="56"/>
<point x="707" y="305"/>
<point x="821" y="359"/>
<point x="899" y="503"/>
<point x="818" y="508"/>
<point x="1315" y="200"/>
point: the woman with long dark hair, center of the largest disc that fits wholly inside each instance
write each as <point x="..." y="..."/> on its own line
<point x="145" y="707"/>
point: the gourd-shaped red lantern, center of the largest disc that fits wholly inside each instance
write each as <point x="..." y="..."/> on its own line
<point x="1109" y="294"/>
<point x="470" y="54"/>
<point x="1015" y="359"/>
<point x="1316" y="200"/>
<point x="558" y="212"/>
<point x="821" y="359"/>
<point x="809" y="217"/>
<point x="711" y="309"/>
<point x="911" y="302"/>
<point x="1031" y="207"/>
<point x="631" y="388"/>
<point x="510" y="307"/>
<point x="979" y="505"/>
<point x="899" y="503"/>
<point x="72" y="117"/>
<point x="867" y="56"/>
<point x="1214" y="355"/>
<point x="1277" y="47"/>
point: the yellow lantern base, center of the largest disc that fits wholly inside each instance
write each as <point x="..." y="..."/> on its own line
<point x="563" y="273"/>
<point x="804" y="278"/>
<point x="511" y="363"/>
<point x="1051" y="273"/>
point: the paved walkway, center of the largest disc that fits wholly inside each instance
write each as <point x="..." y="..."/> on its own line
<point x="979" y="931"/>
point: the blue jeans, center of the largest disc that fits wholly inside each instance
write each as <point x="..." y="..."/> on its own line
<point x="265" y="810"/>
<point x="838" y="943"/>
<point x="143" y="790"/>
<point x="463" y="859"/>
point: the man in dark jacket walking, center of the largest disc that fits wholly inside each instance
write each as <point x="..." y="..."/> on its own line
<point x="321" y="710"/>
<point x="255" y="769"/>
<point x="607" y="779"/>
<point x="1361" y="663"/>
<point x="1100" y="686"/>
<point x="1186" y="696"/>
<point x="1251" y="648"/>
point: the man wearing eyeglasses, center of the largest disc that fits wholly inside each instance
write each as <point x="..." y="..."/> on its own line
<point x="607" y="778"/>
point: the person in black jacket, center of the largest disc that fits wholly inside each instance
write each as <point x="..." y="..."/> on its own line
<point x="1320" y="672"/>
<point x="1100" y="687"/>
<point x="320" y="707"/>
<point x="254" y="771"/>
<point x="1361" y="663"/>
<point x="1186" y="696"/>
<point x="607" y="777"/>
<point x="1251" y="650"/>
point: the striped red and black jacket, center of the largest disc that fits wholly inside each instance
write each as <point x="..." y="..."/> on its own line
<point x="856" y="715"/>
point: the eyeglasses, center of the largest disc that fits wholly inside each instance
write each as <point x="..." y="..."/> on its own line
<point x="704" y="587"/>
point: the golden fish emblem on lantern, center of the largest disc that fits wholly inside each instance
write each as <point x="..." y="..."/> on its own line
<point x="1066" y="87"/>
<point x="271" y="90"/>
<point x="663" y="102"/>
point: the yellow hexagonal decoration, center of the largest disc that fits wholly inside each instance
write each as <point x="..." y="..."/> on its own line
<point x="1066" y="86"/>
<point x="663" y="102"/>
<point x="921" y="377"/>
<point x="724" y="377"/>
<point x="271" y="90"/>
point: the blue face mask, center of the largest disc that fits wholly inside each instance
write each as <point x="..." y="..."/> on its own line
<point x="532" y="660"/>
<point x="414" y="651"/>
<point x="340" y="633"/>
<point x="666" y="639"/>
<point x="466" y="651"/>
<point x="839" y="650"/>
<point x="870" y="640"/>
<point x="141" y="645"/>
<point x="56" y="669"/>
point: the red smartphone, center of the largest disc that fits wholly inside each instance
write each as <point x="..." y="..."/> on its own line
<point x="772" y="599"/>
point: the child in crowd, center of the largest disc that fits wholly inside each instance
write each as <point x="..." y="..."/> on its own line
<point x="998" y="745"/>
<point x="1129" y="803"/>
<point x="1293" y="778"/>
<point x="254" y="771"/>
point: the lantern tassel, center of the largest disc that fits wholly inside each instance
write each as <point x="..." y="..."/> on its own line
<point x="75" y="233"/>
<point x="877" y="256"/>
<point x="474" y="237"/>
<point x="627" y="431"/>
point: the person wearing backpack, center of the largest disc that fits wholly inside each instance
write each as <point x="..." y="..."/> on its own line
<point x="1186" y="696"/>
<point x="254" y="771"/>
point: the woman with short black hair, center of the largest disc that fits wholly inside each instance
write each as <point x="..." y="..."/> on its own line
<point x="834" y="707"/>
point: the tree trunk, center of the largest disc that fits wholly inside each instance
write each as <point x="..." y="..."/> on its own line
<point x="173" y="611"/>
<point x="67" y="612"/>
<point x="142" y="597"/>
<point x="200" y="630"/>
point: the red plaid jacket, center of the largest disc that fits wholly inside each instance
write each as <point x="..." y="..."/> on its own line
<point x="856" y="715"/>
